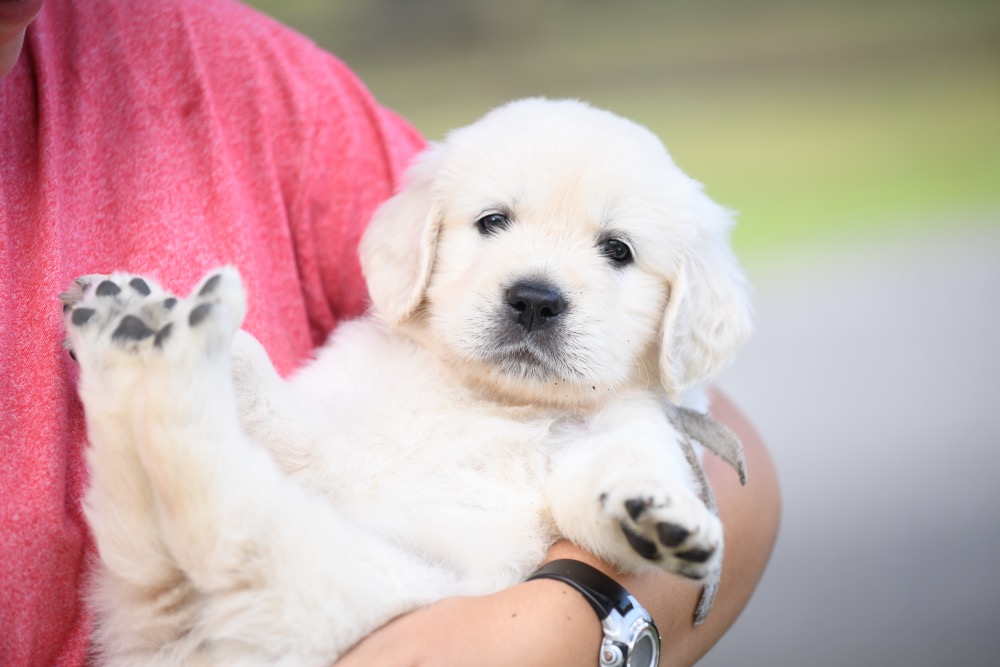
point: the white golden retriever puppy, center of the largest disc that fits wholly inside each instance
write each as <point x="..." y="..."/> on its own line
<point x="543" y="288"/>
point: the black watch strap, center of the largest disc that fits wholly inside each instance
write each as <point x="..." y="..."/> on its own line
<point x="602" y="592"/>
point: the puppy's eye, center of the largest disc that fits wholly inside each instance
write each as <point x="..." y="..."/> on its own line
<point x="492" y="223"/>
<point x="617" y="251"/>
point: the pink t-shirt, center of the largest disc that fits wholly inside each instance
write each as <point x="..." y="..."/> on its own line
<point x="164" y="138"/>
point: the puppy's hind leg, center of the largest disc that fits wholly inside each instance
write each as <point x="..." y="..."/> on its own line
<point x="208" y="484"/>
<point x="137" y="585"/>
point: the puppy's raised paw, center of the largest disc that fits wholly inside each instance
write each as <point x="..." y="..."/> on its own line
<point x="672" y="529"/>
<point x="121" y="313"/>
<point x="119" y="308"/>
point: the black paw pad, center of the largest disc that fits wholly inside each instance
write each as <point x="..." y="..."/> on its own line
<point x="162" y="335"/>
<point x="199" y="314"/>
<point x="81" y="315"/>
<point x="169" y="303"/>
<point x="210" y="285"/>
<point x="696" y="555"/>
<point x="140" y="286"/>
<point x="635" y="507"/>
<point x="132" y="328"/>
<point x="107" y="288"/>
<point x="645" y="548"/>
<point x="670" y="534"/>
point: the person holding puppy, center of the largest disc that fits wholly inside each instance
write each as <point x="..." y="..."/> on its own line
<point x="168" y="138"/>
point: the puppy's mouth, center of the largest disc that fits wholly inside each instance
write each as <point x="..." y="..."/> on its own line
<point x="523" y="356"/>
<point x="529" y="356"/>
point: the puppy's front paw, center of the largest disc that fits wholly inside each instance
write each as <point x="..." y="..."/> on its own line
<point x="128" y="307"/>
<point x="672" y="529"/>
<point x="121" y="314"/>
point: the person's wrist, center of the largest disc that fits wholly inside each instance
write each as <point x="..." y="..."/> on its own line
<point x="629" y="634"/>
<point x="555" y="625"/>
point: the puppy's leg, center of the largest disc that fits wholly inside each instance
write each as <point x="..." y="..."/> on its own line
<point x="622" y="487"/>
<point x="290" y="423"/>
<point x="137" y="586"/>
<point x="277" y="572"/>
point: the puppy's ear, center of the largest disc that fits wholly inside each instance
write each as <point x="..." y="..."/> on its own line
<point x="708" y="311"/>
<point x="397" y="249"/>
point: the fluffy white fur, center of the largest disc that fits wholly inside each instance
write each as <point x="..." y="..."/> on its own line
<point x="435" y="447"/>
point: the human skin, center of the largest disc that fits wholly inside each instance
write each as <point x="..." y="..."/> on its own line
<point x="15" y="15"/>
<point x="545" y="623"/>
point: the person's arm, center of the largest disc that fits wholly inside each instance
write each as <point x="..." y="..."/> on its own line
<point x="545" y="623"/>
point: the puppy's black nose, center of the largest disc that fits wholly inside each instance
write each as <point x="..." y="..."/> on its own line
<point x="535" y="305"/>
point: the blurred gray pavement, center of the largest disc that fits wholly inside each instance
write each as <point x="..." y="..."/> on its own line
<point x="873" y="376"/>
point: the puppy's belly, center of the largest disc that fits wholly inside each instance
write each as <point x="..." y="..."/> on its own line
<point x="465" y="493"/>
<point x="490" y="534"/>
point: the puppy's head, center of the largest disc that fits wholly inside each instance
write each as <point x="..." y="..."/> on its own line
<point x="553" y="253"/>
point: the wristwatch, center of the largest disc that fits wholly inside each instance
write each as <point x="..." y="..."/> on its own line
<point x="630" y="636"/>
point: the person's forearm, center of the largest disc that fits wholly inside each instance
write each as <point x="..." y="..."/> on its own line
<point x="535" y="624"/>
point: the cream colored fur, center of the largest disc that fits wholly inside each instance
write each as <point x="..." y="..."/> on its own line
<point x="432" y="448"/>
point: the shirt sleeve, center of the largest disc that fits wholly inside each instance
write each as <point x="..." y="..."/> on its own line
<point x="358" y="156"/>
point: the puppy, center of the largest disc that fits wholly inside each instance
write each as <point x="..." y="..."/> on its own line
<point x="546" y="287"/>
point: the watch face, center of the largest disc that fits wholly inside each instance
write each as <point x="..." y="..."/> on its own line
<point x="645" y="651"/>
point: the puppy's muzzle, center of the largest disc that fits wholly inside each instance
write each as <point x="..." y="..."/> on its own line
<point x="535" y="305"/>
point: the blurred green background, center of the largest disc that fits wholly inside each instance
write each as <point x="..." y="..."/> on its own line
<point x="819" y="122"/>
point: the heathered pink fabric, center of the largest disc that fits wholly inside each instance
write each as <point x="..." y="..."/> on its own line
<point x="163" y="137"/>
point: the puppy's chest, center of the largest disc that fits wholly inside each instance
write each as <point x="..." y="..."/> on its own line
<point x="448" y="460"/>
<point x="401" y="426"/>
<point x="465" y="492"/>
<point x="420" y="459"/>
<point x="423" y="462"/>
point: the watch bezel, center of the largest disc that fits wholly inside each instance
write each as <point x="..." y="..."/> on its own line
<point x="623" y="631"/>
